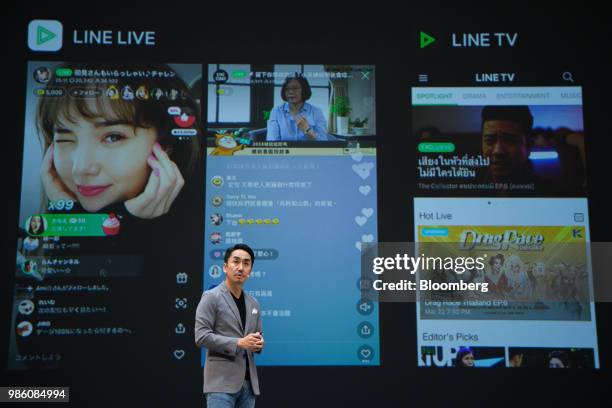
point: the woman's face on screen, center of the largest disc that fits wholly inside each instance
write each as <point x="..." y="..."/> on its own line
<point x="35" y="224"/>
<point x="293" y="91"/>
<point x="468" y="360"/>
<point x="102" y="161"/>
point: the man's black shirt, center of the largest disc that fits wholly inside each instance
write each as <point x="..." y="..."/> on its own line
<point x="240" y="303"/>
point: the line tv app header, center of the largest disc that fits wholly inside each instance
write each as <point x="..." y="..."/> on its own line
<point x="473" y="40"/>
<point x="484" y="40"/>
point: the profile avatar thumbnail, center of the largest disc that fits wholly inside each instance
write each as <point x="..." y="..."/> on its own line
<point x="36" y="225"/>
<point x="216" y="219"/>
<point x="216" y="238"/>
<point x="42" y="75"/>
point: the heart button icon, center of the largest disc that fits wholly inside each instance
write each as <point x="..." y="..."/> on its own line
<point x="367" y="238"/>
<point x="365" y="190"/>
<point x="365" y="353"/>
<point x="363" y="170"/>
<point x="360" y="220"/>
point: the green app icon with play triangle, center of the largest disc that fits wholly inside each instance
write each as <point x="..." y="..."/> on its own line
<point x="426" y="39"/>
<point x="45" y="35"/>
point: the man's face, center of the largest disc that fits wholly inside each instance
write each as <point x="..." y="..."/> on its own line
<point x="505" y="143"/>
<point x="238" y="266"/>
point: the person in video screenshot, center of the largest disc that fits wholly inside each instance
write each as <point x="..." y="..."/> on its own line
<point x="551" y="358"/>
<point x="465" y="358"/>
<point x="296" y="119"/>
<point x="558" y="359"/>
<point x="103" y="152"/>
<point x="506" y="142"/>
<point x="115" y="155"/>
<point x="496" y="277"/>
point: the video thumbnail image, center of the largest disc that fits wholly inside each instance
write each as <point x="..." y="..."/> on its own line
<point x="100" y="139"/>
<point x="462" y="356"/>
<point x="535" y="150"/>
<point x="249" y="103"/>
<point x="530" y="272"/>
<point x="551" y="357"/>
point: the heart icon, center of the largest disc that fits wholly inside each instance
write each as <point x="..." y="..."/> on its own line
<point x="365" y="353"/>
<point x="363" y="170"/>
<point x="367" y="238"/>
<point x="360" y="220"/>
<point x="357" y="156"/>
<point x="367" y="212"/>
<point x="179" y="354"/>
<point x="365" y="190"/>
<point x="358" y="245"/>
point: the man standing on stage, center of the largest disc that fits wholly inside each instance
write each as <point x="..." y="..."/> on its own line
<point x="228" y="324"/>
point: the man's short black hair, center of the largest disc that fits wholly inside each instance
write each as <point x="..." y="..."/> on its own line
<point x="306" y="91"/>
<point x="520" y="114"/>
<point x="244" y="247"/>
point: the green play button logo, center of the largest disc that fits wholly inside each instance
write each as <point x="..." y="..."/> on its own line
<point x="426" y="39"/>
<point x="45" y="35"/>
